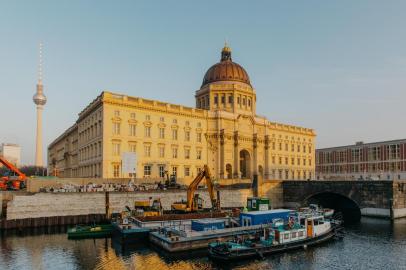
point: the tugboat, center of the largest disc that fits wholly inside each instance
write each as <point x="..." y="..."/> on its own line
<point x="303" y="229"/>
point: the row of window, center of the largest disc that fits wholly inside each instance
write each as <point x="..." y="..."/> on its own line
<point x="372" y="167"/>
<point x="241" y="100"/>
<point x="357" y="155"/>
<point x="148" y="118"/>
<point x="116" y="149"/>
<point x="91" y="151"/>
<point x="298" y="148"/>
<point x="148" y="170"/>
<point x="93" y="170"/>
<point x="299" y="161"/>
<point x="161" y="132"/>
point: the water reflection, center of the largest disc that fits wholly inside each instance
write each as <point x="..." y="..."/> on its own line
<point x="370" y="244"/>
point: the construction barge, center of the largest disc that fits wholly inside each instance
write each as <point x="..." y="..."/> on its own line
<point x="134" y="229"/>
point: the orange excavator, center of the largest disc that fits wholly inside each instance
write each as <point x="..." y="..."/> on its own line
<point x="11" y="182"/>
<point x="194" y="202"/>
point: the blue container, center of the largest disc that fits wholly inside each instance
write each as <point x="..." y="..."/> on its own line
<point x="263" y="217"/>
<point x="207" y="225"/>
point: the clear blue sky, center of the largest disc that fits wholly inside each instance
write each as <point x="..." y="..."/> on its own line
<point x="336" y="66"/>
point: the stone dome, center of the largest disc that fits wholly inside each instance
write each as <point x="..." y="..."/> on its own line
<point x="226" y="70"/>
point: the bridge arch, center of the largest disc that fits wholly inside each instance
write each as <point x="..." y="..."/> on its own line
<point x="340" y="203"/>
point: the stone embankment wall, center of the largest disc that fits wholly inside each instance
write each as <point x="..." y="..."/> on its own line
<point x="72" y="204"/>
<point x="34" y="184"/>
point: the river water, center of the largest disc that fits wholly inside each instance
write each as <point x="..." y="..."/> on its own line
<point x="370" y="244"/>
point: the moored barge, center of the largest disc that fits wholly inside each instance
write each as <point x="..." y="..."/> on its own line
<point x="302" y="230"/>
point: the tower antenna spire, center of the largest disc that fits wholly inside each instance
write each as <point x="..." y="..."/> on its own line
<point x="40" y="100"/>
<point x="40" y="64"/>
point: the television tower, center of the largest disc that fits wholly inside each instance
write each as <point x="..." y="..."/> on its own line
<point x="39" y="99"/>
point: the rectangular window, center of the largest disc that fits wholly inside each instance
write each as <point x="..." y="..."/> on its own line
<point x="147" y="132"/>
<point x="310" y="162"/>
<point x="199" y="137"/>
<point x="298" y="161"/>
<point x="132" y="115"/>
<point x="310" y="148"/>
<point x="116" y="149"/>
<point x="198" y="154"/>
<point x="175" y="171"/>
<point x="238" y="100"/>
<point x="215" y="99"/>
<point x="187" y="171"/>
<point x="132" y="147"/>
<point x="280" y="160"/>
<point x="230" y="99"/>
<point x="304" y="162"/>
<point x="286" y="161"/>
<point x="304" y="148"/>
<point x="147" y="150"/>
<point x="161" y="170"/>
<point x="147" y="117"/>
<point x="174" y="134"/>
<point x="223" y="99"/>
<point x="293" y="161"/>
<point x="116" y="170"/>
<point x="280" y="146"/>
<point x="162" y="133"/>
<point x="133" y="129"/>
<point x="174" y="152"/>
<point x="286" y="147"/>
<point x="162" y="151"/>
<point x="187" y="153"/>
<point x="116" y="128"/>
<point x="273" y="160"/>
<point x="147" y="170"/>
<point x="187" y="135"/>
<point x="298" y="148"/>
<point x="273" y="145"/>
<point x="116" y="113"/>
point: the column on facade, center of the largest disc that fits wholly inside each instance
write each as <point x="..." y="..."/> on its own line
<point x="255" y="153"/>
<point x="236" y="167"/>
<point x="266" y="173"/>
<point x="222" y="154"/>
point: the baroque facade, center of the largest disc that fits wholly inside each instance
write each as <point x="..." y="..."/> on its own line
<point x="223" y="131"/>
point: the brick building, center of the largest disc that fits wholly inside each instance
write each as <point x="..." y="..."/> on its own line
<point x="376" y="161"/>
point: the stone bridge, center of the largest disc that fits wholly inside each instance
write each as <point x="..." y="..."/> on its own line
<point x="353" y="198"/>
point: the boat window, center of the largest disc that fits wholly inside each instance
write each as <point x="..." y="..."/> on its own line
<point x="302" y="222"/>
<point x="294" y="234"/>
<point x="316" y="222"/>
<point x="286" y="236"/>
<point x="300" y="234"/>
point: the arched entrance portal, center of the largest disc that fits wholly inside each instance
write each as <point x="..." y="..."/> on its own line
<point x="229" y="171"/>
<point x="341" y="204"/>
<point x="245" y="162"/>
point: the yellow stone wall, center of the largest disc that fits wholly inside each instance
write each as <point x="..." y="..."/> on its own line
<point x="87" y="148"/>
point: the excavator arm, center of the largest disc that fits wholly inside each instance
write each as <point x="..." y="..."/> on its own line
<point x="189" y="205"/>
<point x="11" y="167"/>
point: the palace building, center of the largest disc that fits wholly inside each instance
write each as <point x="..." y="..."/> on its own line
<point x="222" y="131"/>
